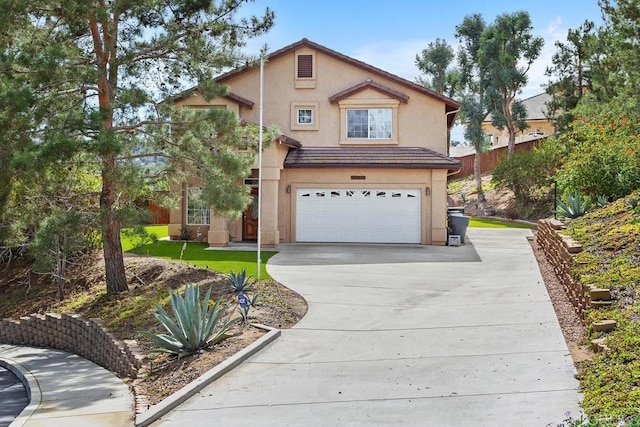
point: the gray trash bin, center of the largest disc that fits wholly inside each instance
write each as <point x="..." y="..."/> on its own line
<point x="459" y="222"/>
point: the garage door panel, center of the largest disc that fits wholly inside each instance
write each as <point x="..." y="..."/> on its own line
<point x="358" y="215"/>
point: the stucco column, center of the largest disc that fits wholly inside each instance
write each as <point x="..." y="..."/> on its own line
<point x="438" y="207"/>
<point x="218" y="232"/>
<point x="269" y="213"/>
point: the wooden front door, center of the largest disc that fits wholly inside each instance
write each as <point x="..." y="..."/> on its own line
<point x="250" y="218"/>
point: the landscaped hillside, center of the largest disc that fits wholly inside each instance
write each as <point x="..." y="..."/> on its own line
<point x="611" y="259"/>
<point x="126" y="315"/>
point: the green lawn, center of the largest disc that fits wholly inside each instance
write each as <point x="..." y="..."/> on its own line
<point x="195" y="254"/>
<point x="131" y="240"/>
<point x="490" y="223"/>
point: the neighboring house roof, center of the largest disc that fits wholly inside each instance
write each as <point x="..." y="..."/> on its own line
<point x="451" y="104"/>
<point x="369" y="157"/>
<point x="535" y="105"/>
<point x="369" y="84"/>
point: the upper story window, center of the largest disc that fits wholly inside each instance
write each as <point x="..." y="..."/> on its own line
<point x="304" y="116"/>
<point x="306" y="70"/>
<point x="369" y="121"/>
<point x="376" y="123"/>
<point x="197" y="209"/>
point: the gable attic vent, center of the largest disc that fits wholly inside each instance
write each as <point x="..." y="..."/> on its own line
<point x="305" y="66"/>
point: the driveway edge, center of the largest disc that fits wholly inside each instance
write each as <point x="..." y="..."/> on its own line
<point x="171" y="402"/>
<point x="30" y="383"/>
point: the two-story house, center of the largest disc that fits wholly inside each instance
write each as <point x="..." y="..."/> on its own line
<point x="361" y="156"/>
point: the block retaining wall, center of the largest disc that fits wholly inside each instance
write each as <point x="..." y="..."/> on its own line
<point x="71" y="333"/>
<point x="560" y="250"/>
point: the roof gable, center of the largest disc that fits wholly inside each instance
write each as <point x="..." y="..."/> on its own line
<point x="451" y="104"/>
<point x="369" y="84"/>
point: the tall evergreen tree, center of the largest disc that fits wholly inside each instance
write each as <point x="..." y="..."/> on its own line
<point x="475" y="102"/>
<point x="507" y="50"/>
<point x="16" y="102"/>
<point x="616" y="69"/>
<point x="436" y="62"/>
<point x="571" y="74"/>
<point x="105" y="66"/>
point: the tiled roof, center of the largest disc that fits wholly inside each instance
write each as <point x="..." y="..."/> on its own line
<point x="369" y="157"/>
<point x="536" y="108"/>
<point x="288" y="141"/>
<point x="535" y="105"/>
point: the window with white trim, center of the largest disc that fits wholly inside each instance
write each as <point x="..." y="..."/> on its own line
<point x="304" y="115"/>
<point x="197" y="208"/>
<point x="369" y="121"/>
<point x="376" y="123"/>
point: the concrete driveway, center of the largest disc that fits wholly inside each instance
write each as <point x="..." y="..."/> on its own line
<point x="430" y="336"/>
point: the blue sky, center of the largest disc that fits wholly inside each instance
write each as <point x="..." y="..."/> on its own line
<point x="389" y="34"/>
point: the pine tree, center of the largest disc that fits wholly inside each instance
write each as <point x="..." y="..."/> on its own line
<point x="106" y="72"/>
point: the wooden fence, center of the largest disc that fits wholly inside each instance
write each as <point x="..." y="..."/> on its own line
<point x="490" y="159"/>
<point x="159" y="214"/>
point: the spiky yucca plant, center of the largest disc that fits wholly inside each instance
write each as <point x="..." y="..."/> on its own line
<point x="195" y="323"/>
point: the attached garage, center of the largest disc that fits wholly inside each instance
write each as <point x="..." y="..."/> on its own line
<point x="364" y="195"/>
<point x="366" y="215"/>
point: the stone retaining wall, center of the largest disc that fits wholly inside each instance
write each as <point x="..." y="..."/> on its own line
<point x="70" y="333"/>
<point x="560" y="249"/>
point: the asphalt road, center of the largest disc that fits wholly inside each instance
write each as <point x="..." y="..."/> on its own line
<point x="13" y="397"/>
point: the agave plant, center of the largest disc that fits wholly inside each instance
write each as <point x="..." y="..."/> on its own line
<point x="239" y="282"/>
<point x="195" y="325"/>
<point x="601" y="201"/>
<point x="576" y="206"/>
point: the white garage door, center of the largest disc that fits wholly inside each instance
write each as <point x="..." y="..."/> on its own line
<point x="358" y="215"/>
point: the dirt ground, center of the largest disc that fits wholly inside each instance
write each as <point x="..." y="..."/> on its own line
<point x="277" y="306"/>
<point x="497" y="200"/>
<point x="572" y="328"/>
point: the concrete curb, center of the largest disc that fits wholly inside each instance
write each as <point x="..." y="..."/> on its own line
<point x="31" y="385"/>
<point x="171" y="402"/>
